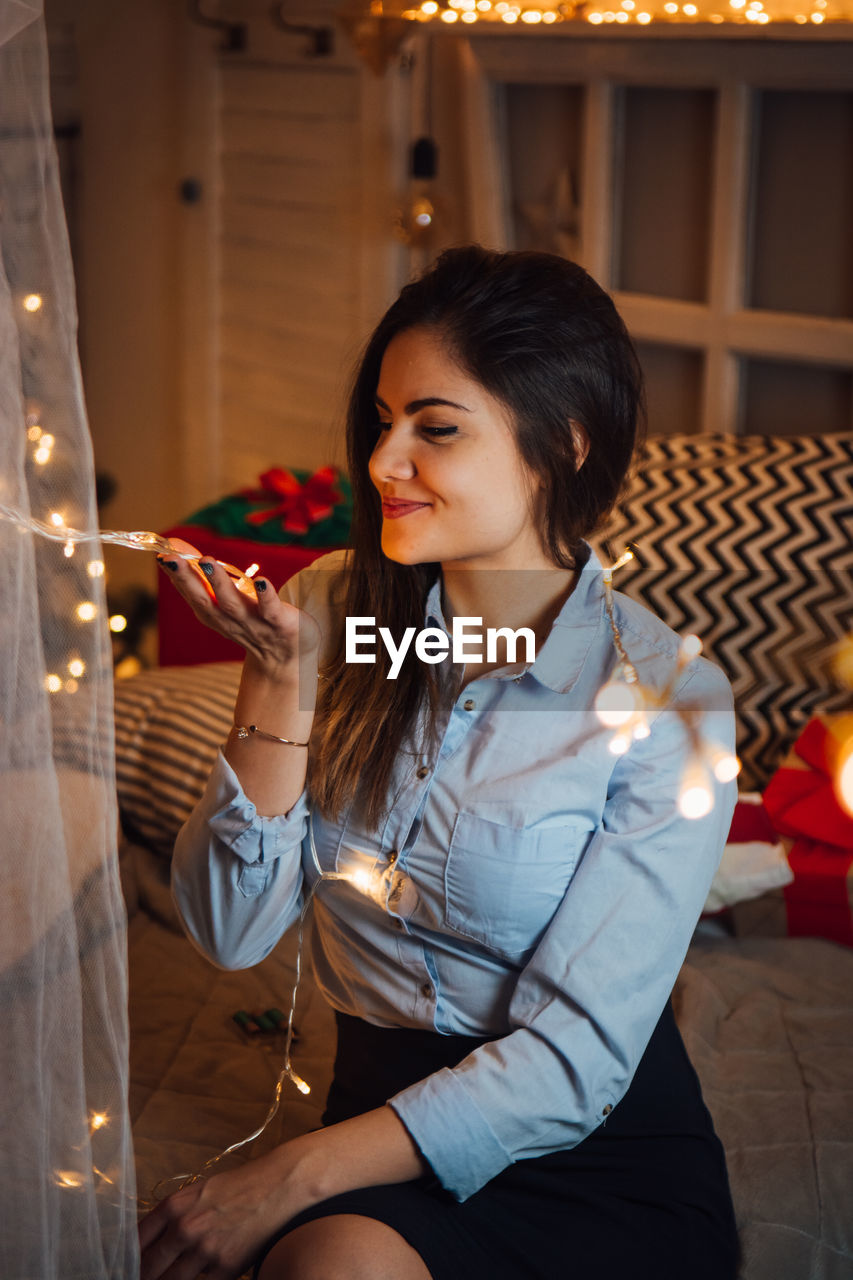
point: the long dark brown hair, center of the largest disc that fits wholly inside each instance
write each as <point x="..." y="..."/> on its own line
<point x="544" y="339"/>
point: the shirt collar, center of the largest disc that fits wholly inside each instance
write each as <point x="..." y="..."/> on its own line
<point x="561" y="658"/>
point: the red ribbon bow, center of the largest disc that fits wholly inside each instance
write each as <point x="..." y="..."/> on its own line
<point x="300" y="504"/>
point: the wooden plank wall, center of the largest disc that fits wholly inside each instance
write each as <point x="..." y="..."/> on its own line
<point x="288" y="250"/>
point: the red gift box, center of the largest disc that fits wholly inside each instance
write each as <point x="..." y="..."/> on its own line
<point x="183" y="640"/>
<point x="802" y="804"/>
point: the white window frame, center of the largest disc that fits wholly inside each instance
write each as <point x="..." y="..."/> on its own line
<point x="737" y="66"/>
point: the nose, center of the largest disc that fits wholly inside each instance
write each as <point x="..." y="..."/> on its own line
<point x="392" y="457"/>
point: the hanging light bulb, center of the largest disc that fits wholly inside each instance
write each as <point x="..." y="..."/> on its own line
<point x="415" y="224"/>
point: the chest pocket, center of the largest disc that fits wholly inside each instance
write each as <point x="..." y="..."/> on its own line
<point x="503" y="884"/>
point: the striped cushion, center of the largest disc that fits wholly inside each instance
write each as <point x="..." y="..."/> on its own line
<point x="169" y="726"/>
<point x="748" y="541"/>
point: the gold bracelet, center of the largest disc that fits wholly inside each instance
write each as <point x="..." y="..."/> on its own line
<point x="244" y="730"/>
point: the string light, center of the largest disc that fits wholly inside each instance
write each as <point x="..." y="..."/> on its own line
<point x="623" y="703"/>
<point x="87" y="610"/>
<point x="536" y="16"/>
<point x="33" y="302"/>
<point x="118" y="623"/>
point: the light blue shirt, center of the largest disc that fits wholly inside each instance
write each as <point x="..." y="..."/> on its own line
<point x="526" y="884"/>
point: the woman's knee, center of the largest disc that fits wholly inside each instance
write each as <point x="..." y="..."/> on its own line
<point x="343" y="1247"/>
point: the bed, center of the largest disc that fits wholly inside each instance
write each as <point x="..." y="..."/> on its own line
<point x="767" y="1020"/>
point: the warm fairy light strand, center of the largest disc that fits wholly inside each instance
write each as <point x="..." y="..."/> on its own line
<point x="623" y="702"/>
<point x="539" y="17"/>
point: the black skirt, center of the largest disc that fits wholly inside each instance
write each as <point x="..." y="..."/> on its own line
<point x="646" y="1195"/>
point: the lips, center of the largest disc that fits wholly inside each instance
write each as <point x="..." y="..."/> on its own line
<point x="393" y="508"/>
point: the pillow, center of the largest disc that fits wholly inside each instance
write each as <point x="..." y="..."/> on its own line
<point x="170" y="724"/>
<point x="748" y="541"/>
<point x="754" y="861"/>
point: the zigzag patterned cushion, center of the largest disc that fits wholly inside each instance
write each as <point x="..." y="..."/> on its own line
<point x="748" y="541"/>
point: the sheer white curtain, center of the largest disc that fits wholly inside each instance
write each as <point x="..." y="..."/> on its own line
<point x="67" y="1194"/>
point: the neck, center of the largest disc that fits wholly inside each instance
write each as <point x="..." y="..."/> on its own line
<point x="507" y="597"/>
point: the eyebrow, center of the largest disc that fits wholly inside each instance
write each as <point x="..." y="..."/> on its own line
<point x="427" y="402"/>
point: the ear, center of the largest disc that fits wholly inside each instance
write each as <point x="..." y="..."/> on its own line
<point x="580" y="442"/>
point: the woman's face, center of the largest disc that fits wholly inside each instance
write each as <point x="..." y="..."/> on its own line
<point x="454" y="487"/>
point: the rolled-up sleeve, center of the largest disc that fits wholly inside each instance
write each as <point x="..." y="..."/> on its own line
<point x="236" y="876"/>
<point x="588" y="1000"/>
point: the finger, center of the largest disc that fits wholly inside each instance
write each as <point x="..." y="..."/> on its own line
<point x="150" y="1227"/>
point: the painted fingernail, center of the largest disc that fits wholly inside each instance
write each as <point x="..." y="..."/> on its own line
<point x="168" y="564"/>
<point x="260" y="585"/>
<point x="207" y="567"/>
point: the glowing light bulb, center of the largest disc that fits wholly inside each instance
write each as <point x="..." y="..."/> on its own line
<point x="95" y="568"/>
<point x="531" y="15"/>
<point x="361" y="880"/>
<point x="484" y="5"/>
<point x="549" y="16"/>
<point x="619" y="744"/>
<point x="670" y="8"/>
<point x="53" y="683"/>
<point x="99" y="1119"/>
<point x="33" y="302"/>
<point x="469" y="17"/>
<point x="690" y="10"/>
<point x="56" y="520"/>
<point x="429" y="7"/>
<point x="71" y="686"/>
<point x="86" y="611"/>
<point x="301" y="1084"/>
<point x="616" y="703"/>
<point x="644" y="18"/>
<point x="724" y="764"/>
<point x="76" y="667"/>
<point x="42" y="455"/>
<point x="449" y="15"/>
<point x="118" y="623"/>
<point x="510" y="16"/>
<point x="817" y="18"/>
<point x="34" y="433"/>
<point x="595" y="18"/>
<point x="691" y="646"/>
<point x="68" y="1178"/>
<point x="696" y="798"/>
<point x="68" y="550"/>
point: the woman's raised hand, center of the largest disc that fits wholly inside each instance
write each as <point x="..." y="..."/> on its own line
<point x="275" y="634"/>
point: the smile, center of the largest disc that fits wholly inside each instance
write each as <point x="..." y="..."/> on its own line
<point x="393" y="508"/>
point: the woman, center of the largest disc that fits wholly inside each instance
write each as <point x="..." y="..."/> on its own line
<point x="511" y="1096"/>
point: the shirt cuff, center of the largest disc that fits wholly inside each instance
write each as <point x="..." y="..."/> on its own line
<point x="235" y="821"/>
<point x="451" y="1133"/>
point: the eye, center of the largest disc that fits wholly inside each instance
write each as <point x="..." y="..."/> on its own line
<point x="436" y="433"/>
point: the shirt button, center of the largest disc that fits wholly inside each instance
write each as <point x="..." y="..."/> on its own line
<point x="423" y="771"/>
<point x="426" y="990"/>
<point x="468" y="704"/>
<point x="392" y="857"/>
<point x="517" y="679"/>
<point x="607" y="1110"/>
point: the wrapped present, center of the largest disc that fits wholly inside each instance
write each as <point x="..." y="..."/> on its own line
<point x="281" y="524"/>
<point x="804" y="806"/>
